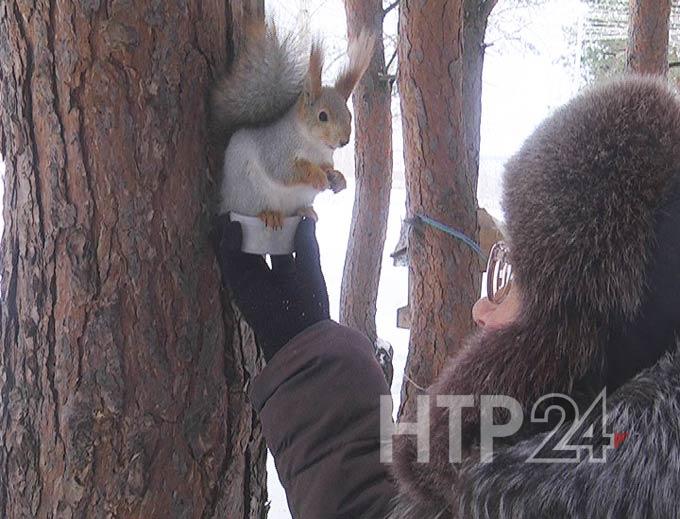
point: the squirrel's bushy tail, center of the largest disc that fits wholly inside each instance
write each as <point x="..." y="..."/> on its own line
<point x="264" y="81"/>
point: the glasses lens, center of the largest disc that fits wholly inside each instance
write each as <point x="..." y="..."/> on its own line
<point x="499" y="273"/>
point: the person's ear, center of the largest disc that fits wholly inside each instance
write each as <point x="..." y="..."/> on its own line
<point x="481" y="310"/>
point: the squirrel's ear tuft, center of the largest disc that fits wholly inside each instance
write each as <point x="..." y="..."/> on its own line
<point x="313" y="83"/>
<point x="360" y="54"/>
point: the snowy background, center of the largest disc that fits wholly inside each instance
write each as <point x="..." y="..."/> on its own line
<point x="534" y="64"/>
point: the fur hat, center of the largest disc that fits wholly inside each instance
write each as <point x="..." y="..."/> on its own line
<point x="581" y="200"/>
<point x="584" y="200"/>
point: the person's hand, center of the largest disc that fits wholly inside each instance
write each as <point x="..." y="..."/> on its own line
<point x="280" y="302"/>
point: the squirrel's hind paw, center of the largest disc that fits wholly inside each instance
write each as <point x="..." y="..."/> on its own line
<point x="272" y="219"/>
<point x="336" y="180"/>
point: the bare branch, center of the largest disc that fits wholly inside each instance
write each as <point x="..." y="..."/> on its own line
<point x="389" y="63"/>
<point x="674" y="64"/>
<point x="390" y="7"/>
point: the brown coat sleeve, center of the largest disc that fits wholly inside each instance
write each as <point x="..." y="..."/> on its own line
<point x="319" y="404"/>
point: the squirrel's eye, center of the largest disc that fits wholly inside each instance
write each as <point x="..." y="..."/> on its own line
<point x="323" y="117"/>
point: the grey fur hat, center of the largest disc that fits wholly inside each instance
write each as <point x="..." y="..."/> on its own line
<point x="588" y="200"/>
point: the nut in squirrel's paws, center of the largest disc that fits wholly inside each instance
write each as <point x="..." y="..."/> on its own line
<point x="336" y="180"/>
<point x="272" y="219"/>
<point x="308" y="212"/>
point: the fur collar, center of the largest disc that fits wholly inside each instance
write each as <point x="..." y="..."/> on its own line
<point x="640" y="479"/>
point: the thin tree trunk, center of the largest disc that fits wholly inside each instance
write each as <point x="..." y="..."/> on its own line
<point x="442" y="271"/>
<point x="648" y="33"/>
<point x="122" y="372"/>
<point x="373" y="171"/>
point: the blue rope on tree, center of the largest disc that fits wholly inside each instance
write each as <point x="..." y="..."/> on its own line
<point x="452" y="232"/>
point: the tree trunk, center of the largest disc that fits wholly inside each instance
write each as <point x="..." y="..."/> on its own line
<point x="373" y="172"/>
<point x="122" y="370"/>
<point x="443" y="272"/>
<point x="648" y="33"/>
<point x="476" y="14"/>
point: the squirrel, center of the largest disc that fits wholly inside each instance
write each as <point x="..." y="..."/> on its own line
<point x="286" y="124"/>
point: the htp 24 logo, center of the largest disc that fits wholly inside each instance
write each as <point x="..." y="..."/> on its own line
<point x="587" y="434"/>
<point x="566" y="442"/>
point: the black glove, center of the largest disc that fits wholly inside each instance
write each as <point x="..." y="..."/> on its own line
<point x="280" y="302"/>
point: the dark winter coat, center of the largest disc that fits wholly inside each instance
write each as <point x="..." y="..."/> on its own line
<point x="317" y="400"/>
<point x="592" y="203"/>
<point x="319" y="403"/>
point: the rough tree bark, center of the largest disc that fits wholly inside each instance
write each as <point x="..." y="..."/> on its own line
<point x="476" y="18"/>
<point x="442" y="271"/>
<point x="373" y="173"/>
<point x="122" y="372"/>
<point x="648" y="33"/>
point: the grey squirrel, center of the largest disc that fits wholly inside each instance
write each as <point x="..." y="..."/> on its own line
<point x="286" y="123"/>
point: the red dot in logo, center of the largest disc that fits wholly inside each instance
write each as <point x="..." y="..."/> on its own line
<point x="619" y="438"/>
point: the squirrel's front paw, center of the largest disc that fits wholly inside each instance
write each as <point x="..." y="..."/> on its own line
<point x="336" y="180"/>
<point x="272" y="219"/>
<point x="311" y="175"/>
<point x="308" y="212"/>
<point x="320" y="183"/>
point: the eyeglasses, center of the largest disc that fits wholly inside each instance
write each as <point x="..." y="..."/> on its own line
<point x="498" y="273"/>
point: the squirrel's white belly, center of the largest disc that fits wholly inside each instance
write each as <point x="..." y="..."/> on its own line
<point x="251" y="185"/>
<point x="290" y="199"/>
<point x="248" y="190"/>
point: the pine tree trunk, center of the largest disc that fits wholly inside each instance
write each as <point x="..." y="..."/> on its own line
<point x="122" y="369"/>
<point x="476" y="14"/>
<point x="443" y="272"/>
<point x="373" y="170"/>
<point x="648" y="33"/>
